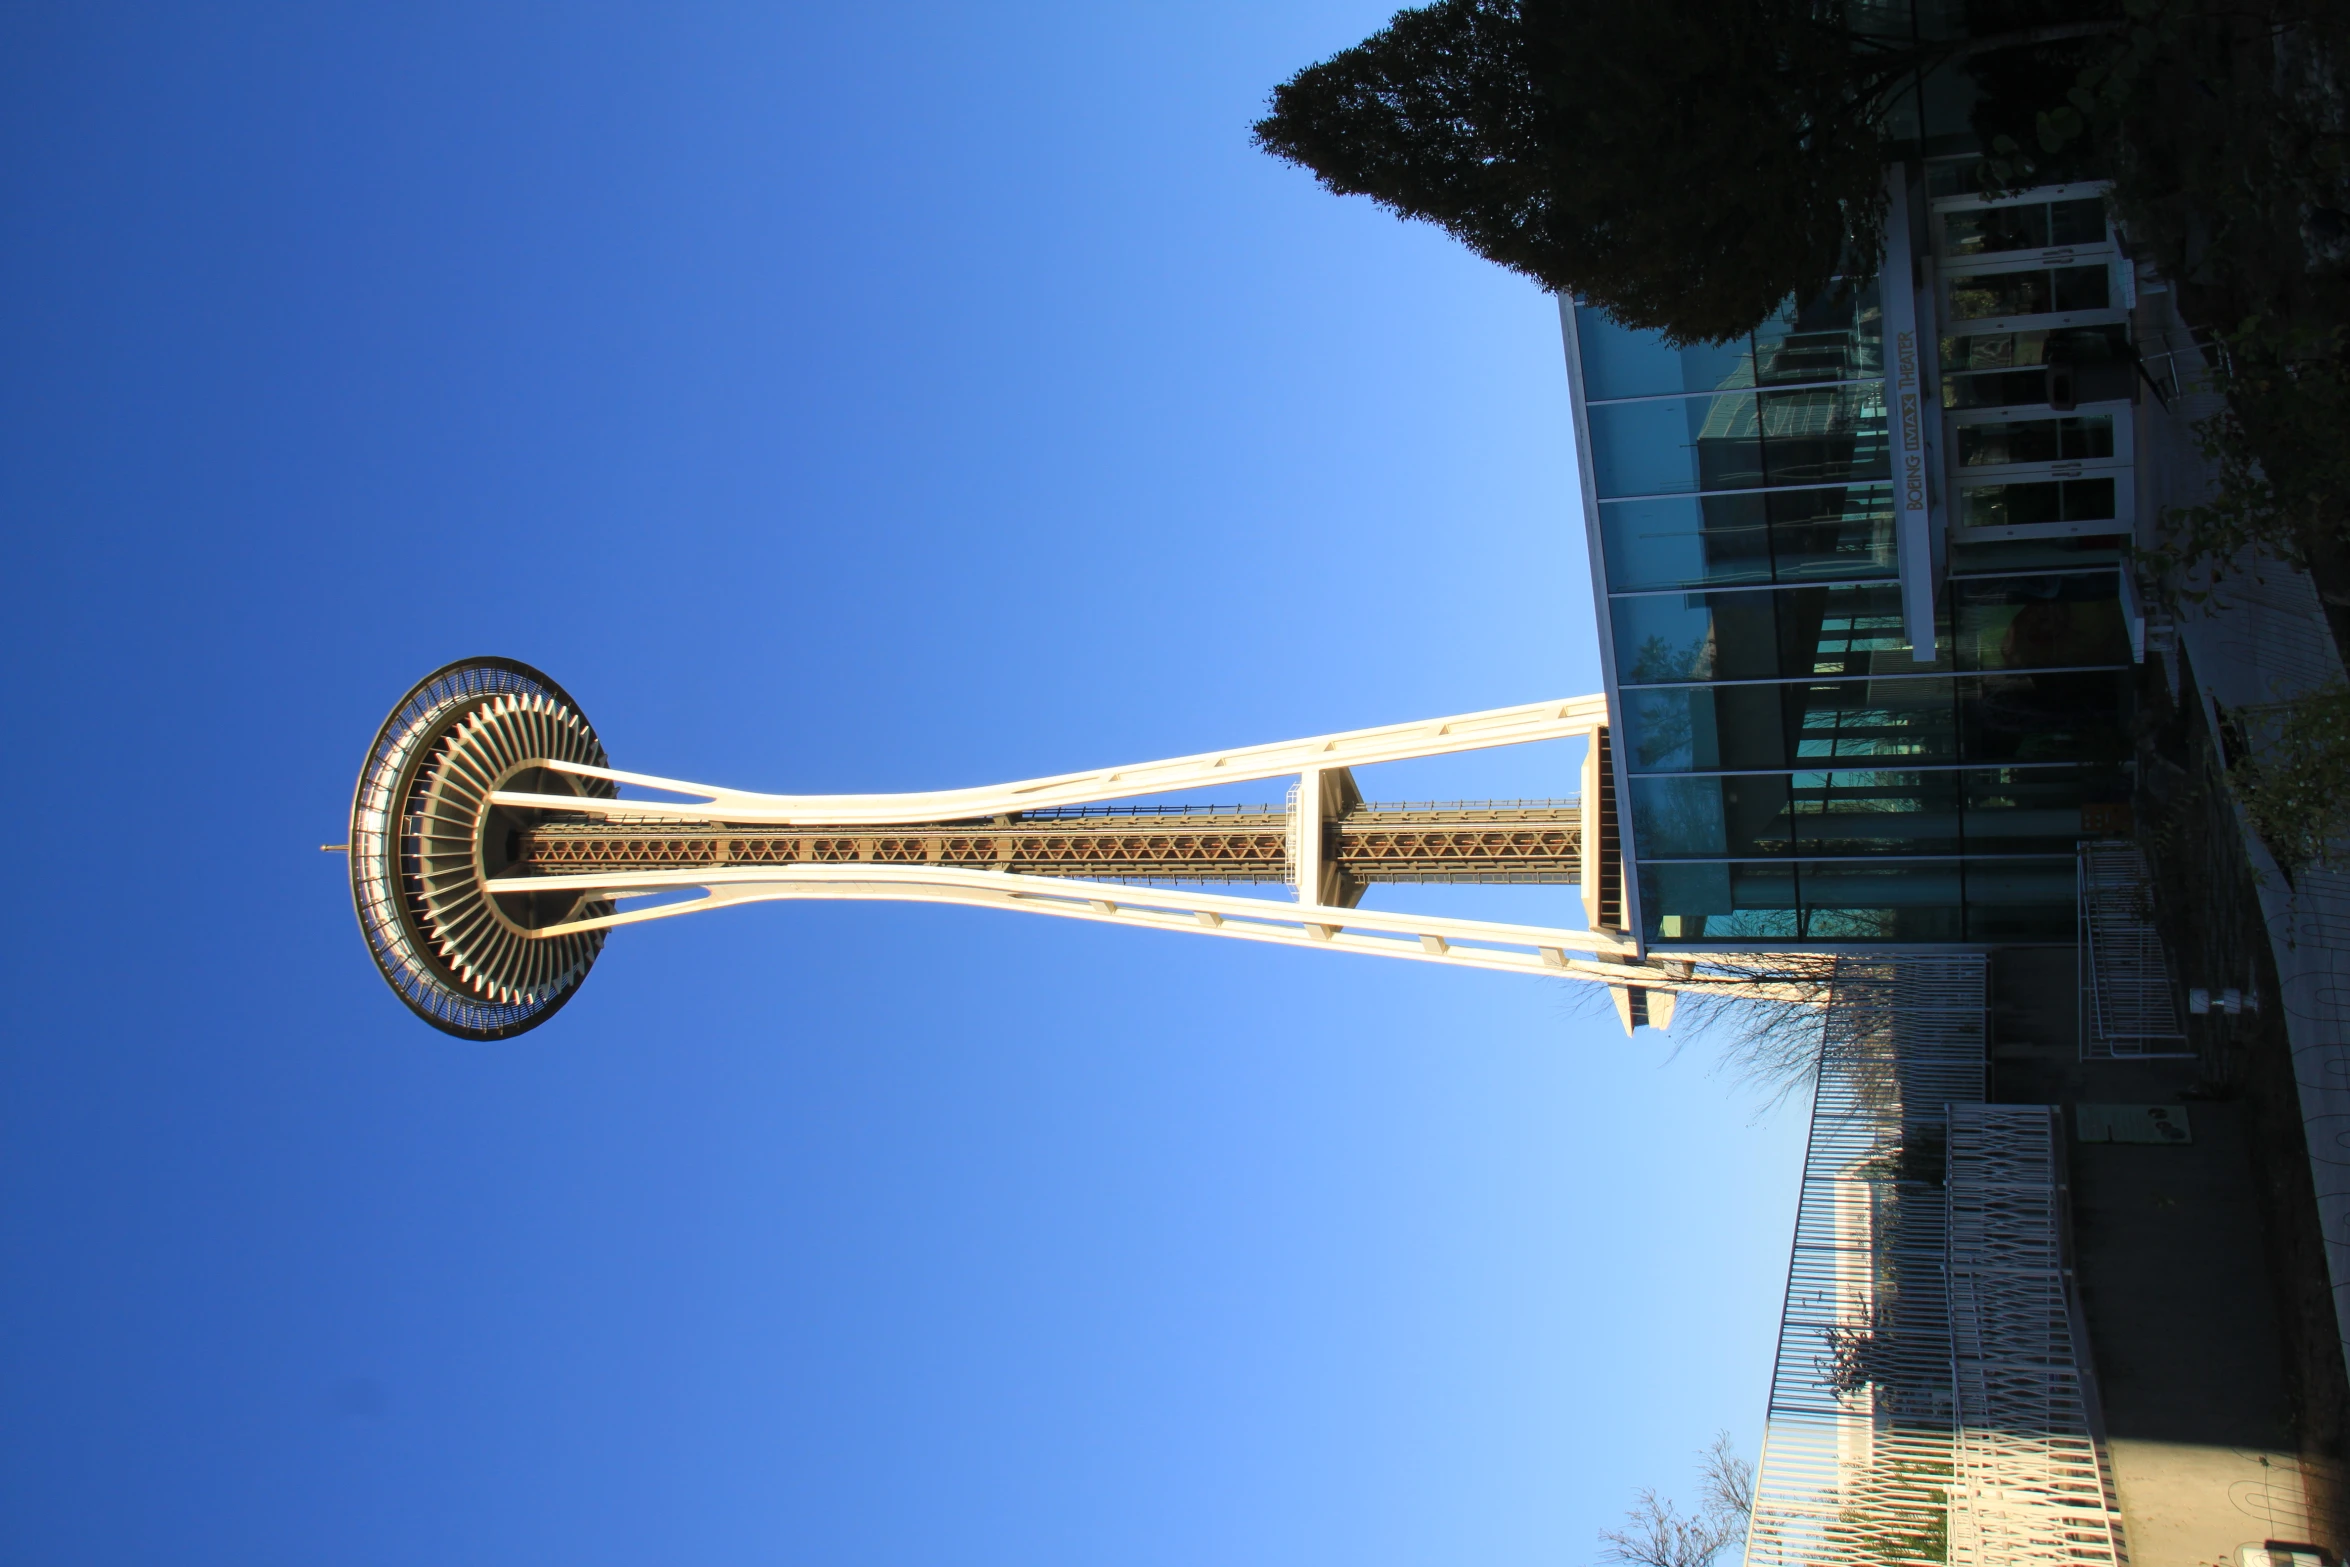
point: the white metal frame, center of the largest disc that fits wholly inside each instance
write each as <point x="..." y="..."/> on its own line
<point x="2121" y="468"/>
<point x="2106" y="252"/>
<point x="2127" y="1010"/>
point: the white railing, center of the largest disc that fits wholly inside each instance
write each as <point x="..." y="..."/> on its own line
<point x="2031" y="1485"/>
<point x="1929" y="1404"/>
<point x="2127" y="1010"/>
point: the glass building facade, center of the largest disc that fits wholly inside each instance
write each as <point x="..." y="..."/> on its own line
<point x="1794" y="761"/>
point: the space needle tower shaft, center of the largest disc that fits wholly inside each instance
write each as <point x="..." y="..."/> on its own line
<point x="492" y="851"/>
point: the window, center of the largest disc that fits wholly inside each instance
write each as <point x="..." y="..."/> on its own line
<point x="1755" y="634"/>
<point x="2040" y="502"/>
<point x="1740" y="440"/>
<point x="2012" y="441"/>
<point x="1756" y="537"/>
<point x="2032" y="291"/>
<point x="2038" y="225"/>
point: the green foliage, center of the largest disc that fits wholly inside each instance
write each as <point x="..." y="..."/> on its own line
<point x="1684" y="164"/>
<point x="2280" y="466"/>
<point x="2220" y="123"/>
<point x="2296" y="783"/>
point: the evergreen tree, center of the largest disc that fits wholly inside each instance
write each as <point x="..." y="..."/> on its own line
<point x="1684" y="164"/>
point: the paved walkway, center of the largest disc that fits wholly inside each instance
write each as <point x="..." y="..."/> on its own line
<point x="2262" y="638"/>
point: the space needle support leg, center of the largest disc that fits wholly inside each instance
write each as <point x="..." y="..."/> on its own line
<point x="1523" y="725"/>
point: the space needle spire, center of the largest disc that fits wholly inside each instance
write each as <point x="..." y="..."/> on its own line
<point x="492" y="852"/>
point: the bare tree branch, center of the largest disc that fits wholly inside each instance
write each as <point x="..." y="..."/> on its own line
<point x="1729" y="1481"/>
<point x="1657" y="1533"/>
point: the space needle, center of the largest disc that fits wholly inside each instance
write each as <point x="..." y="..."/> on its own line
<point x="492" y="851"/>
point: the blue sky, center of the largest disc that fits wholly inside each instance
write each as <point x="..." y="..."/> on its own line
<point x="832" y="398"/>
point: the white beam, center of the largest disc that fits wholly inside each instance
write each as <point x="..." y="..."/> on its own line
<point x="1481" y="944"/>
<point x="1521" y="725"/>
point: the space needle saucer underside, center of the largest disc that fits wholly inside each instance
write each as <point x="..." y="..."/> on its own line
<point x="426" y="838"/>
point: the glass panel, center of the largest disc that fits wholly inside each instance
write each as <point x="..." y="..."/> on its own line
<point x="1718" y="902"/>
<point x="1951" y="176"/>
<point x="2079" y="222"/>
<point x="1856" y="812"/>
<point x="2035" y="440"/>
<point x="1912" y="720"/>
<point x="2038" y="225"/>
<point x="2034" y="291"/>
<point x="1858" y="631"/>
<point x="2040" y="622"/>
<point x="1743" y="814"/>
<point x="1825" y="436"/>
<point x="2083" y="288"/>
<point x="2029" y="810"/>
<point x="1680" y="729"/>
<point x="1620" y="362"/>
<point x="1667" y="636"/>
<point x="1837" y="337"/>
<point x="1674" y="818"/>
<point x="2045" y="717"/>
<point x="1965" y="352"/>
<point x="1668" y="730"/>
<point x="1844" y="901"/>
<point x="1695" y="636"/>
<point x="1832" y="533"/>
<point x="1789" y="535"/>
<point x="2040" y="501"/>
<point x="1740" y="440"/>
<point x="1668" y="543"/>
<point x="1759" y="634"/>
<point x="1981" y="230"/>
<point x="2057" y="554"/>
<point x="2021" y="900"/>
<point x="2000" y="389"/>
<point x="1649" y="448"/>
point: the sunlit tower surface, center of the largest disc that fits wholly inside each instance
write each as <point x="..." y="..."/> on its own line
<point x="491" y="852"/>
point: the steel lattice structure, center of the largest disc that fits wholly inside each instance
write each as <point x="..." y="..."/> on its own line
<point x="491" y="852"/>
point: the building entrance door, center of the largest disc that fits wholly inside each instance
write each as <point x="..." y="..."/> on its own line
<point x="2036" y="368"/>
<point x="2042" y="261"/>
<point x="2036" y="473"/>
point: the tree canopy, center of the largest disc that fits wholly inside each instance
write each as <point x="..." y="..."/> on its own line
<point x="1685" y="164"/>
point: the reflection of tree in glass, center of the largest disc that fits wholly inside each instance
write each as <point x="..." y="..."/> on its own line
<point x="1858" y="794"/>
<point x="1660" y="660"/>
<point x="1666" y="733"/>
<point x="1665" y="730"/>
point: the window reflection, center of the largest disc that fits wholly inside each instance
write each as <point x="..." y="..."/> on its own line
<point x="2033" y="291"/>
<point x="2048" y="716"/>
<point x="1837" y="337"/>
<point x="1620" y="362"/>
<point x="1740" y="440"/>
<point x="2037" y="225"/>
<point x="2009" y="369"/>
<point x="2035" y="440"/>
<point x="1760" y="634"/>
<point x="1867" y="719"/>
<point x="2037" y="502"/>
<point x="1772" y="535"/>
<point x="2040" y="622"/>
<point x="2023" y="810"/>
<point x="1876" y="812"/>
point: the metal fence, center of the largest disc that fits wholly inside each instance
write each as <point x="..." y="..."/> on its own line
<point x="2127" y="1009"/>
<point x="1921" y="1218"/>
<point x="2030" y="1483"/>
